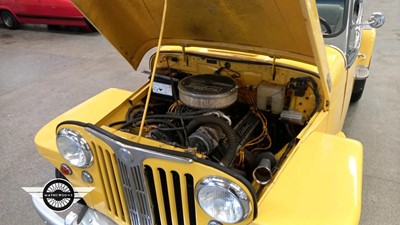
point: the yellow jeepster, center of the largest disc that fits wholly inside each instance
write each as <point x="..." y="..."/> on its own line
<point x="239" y="123"/>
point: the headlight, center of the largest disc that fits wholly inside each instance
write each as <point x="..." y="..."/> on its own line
<point x="223" y="200"/>
<point x="74" y="148"/>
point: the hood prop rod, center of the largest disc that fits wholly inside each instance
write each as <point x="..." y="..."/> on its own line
<point x="153" y="71"/>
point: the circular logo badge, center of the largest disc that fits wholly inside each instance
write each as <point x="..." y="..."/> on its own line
<point x="58" y="194"/>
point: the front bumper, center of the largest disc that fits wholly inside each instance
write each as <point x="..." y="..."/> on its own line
<point x="89" y="216"/>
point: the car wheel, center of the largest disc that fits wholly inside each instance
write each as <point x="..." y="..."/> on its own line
<point x="9" y="20"/>
<point x="358" y="90"/>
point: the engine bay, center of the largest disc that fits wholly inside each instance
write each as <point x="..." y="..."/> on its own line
<point x="240" y="115"/>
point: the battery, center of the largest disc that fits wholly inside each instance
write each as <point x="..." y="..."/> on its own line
<point x="165" y="87"/>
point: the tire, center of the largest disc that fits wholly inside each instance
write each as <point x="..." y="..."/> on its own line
<point x="89" y="27"/>
<point x="358" y="90"/>
<point x="9" y="20"/>
<point x="53" y="27"/>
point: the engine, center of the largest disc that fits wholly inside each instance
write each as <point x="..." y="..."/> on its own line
<point x="241" y="128"/>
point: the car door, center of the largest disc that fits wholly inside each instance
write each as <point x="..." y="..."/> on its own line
<point x="62" y="9"/>
<point x="28" y="8"/>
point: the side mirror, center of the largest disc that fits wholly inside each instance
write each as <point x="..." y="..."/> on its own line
<point x="376" y="20"/>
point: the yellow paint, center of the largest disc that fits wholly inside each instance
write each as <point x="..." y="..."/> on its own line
<point x="320" y="181"/>
<point x="303" y="193"/>
<point x="198" y="172"/>
<point x="366" y="47"/>
<point x="91" y="111"/>
<point x="314" y="32"/>
<point x="133" y="29"/>
<point x="112" y="104"/>
<point x="338" y="76"/>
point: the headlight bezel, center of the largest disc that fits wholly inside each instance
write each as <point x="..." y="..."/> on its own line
<point x="232" y="188"/>
<point x="81" y="144"/>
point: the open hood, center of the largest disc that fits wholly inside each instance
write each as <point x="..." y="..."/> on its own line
<point x="278" y="28"/>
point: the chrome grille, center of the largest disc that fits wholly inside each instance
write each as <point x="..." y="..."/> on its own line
<point x="165" y="191"/>
<point x="136" y="195"/>
<point x="153" y="195"/>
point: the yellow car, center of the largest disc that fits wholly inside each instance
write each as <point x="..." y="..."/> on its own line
<point x="239" y="123"/>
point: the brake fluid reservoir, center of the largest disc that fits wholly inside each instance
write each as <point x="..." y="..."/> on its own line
<point x="270" y="97"/>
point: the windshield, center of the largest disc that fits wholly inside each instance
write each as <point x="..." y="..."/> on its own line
<point x="332" y="16"/>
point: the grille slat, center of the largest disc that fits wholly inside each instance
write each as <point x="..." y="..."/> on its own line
<point x="108" y="169"/>
<point x="145" y="194"/>
<point x="190" y="198"/>
<point x="164" y="184"/>
<point x="113" y="186"/>
<point x="160" y="197"/>
<point x="119" y="188"/>
<point x="184" y="194"/>
<point x="172" y="202"/>
<point x="105" y="177"/>
<point x="150" y="180"/>
<point x="177" y="195"/>
<point x="169" y="195"/>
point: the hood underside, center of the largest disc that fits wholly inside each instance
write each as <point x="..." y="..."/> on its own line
<point x="277" y="28"/>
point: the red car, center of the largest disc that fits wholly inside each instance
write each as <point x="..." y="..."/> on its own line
<point x="51" y="12"/>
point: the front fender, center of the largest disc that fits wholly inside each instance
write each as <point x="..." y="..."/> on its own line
<point x="91" y="111"/>
<point x="7" y="8"/>
<point x="320" y="184"/>
<point x="366" y="47"/>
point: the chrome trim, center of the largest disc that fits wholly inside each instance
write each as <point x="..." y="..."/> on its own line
<point x="220" y="115"/>
<point x="136" y="154"/>
<point x="86" y="177"/>
<point x="91" y="216"/>
<point x="234" y="189"/>
<point x="262" y="174"/>
<point x="376" y="20"/>
<point x="49" y="216"/>
<point x="78" y="139"/>
<point x="71" y="219"/>
<point x="362" y="73"/>
<point x="130" y="163"/>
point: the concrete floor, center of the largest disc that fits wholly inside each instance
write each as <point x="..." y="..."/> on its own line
<point x="44" y="73"/>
